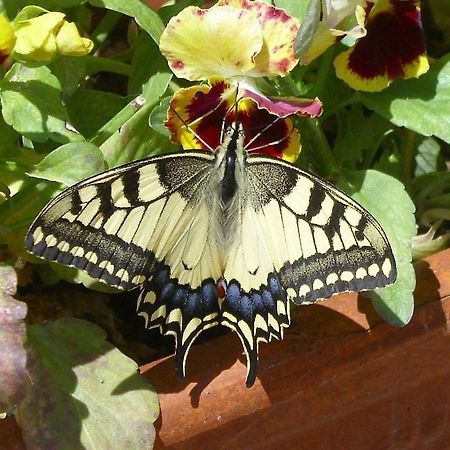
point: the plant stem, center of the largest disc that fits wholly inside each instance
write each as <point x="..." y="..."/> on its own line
<point x="321" y="146"/>
<point x="99" y="64"/>
<point x="106" y="25"/>
<point x="407" y="155"/>
<point x="323" y="72"/>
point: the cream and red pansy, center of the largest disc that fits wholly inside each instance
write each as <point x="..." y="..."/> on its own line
<point x="392" y="48"/>
<point x="198" y="115"/>
<point x="231" y="45"/>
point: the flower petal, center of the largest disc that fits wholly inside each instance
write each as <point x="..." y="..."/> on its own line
<point x="36" y="37"/>
<point x="340" y="19"/>
<point x="7" y="38"/>
<point x="70" y="43"/>
<point x="393" y="47"/>
<point x="196" y="114"/>
<point x="324" y="38"/>
<point x="200" y="43"/>
<point x="268" y="134"/>
<point x="285" y="106"/>
<point x="279" y="31"/>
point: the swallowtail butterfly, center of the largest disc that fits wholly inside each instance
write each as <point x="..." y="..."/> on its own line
<point x="215" y="237"/>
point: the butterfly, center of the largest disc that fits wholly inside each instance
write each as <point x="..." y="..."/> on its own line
<point x="215" y="237"/>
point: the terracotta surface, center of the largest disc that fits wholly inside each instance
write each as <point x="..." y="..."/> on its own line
<point x="341" y="379"/>
<point x="331" y="384"/>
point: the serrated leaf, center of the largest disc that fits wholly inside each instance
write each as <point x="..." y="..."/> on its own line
<point x="144" y="16"/>
<point x="394" y="210"/>
<point x="31" y="101"/>
<point x="90" y="392"/>
<point x="13" y="378"/>
<point x="70" y="163"/>
<point x="420" y="104"/>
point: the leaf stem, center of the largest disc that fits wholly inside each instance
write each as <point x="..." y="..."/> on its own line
<point x="99" y="64"/>
<point x="106" y="25"/>
<point x="407" y="154"/>
<point x="321" y="146"/>
<point x="323" y="72"/>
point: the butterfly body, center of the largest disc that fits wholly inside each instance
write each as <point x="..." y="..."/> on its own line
<point x="215" y="237"/>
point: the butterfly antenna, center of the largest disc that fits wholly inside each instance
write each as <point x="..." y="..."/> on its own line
<point x="191" y="130"/>
<point x="258" y="135"/>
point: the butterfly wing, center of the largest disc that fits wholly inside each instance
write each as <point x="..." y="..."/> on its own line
<point x="143" y="224"/>
<point x="300" y="239"/>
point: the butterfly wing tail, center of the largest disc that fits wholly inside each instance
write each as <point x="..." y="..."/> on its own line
<point x="178" y="310"/>
<point x="256" y="316"/>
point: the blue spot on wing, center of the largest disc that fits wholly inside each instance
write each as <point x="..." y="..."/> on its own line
<point x="245" y="306"/>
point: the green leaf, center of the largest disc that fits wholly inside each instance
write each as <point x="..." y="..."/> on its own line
<point x="9" y="139"/>
<point x="135" y="140"/>
<point x="147" y="19"/>
<point x="90" y="109"/>
<point x="28" y="12"/>
<point x="420" y="104"/>
<point x="159" y="115"/>
<point x="428" y="157"/>
<point x="394" y="210"/>
<point x="90" y="392"/>
<point x="52" y="5"/>
<point x="295" y="8"/>
<point x="13" y="375"/>
<point x="70" y="163"/>
<point x="70" y="71"/>
<point x="31" y="100"/>
<point x="149" y="70"/>
<point x="308" y="28"/>
<point x="351" y="145"/>
<point x="17" y="213"/>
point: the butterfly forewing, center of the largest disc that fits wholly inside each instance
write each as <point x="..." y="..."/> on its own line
<point x="332" y="243"/>
<point x="144" y="224"/>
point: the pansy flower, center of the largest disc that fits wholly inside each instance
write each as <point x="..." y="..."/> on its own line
<point x="340" y="19"/>
<point x="231" y="45"/>
<point x="7" y="38"/>
<point x="198" y="116"/>
<point x="392" y="48"/>
<point x="41" y="38"/>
